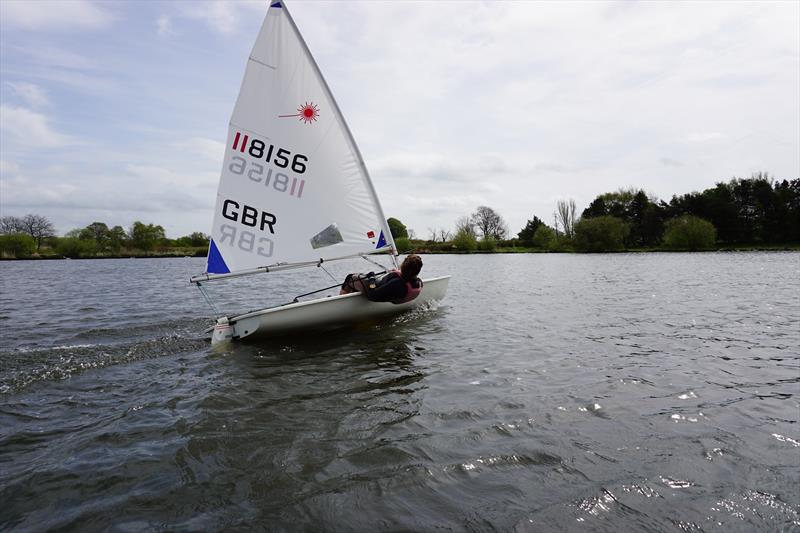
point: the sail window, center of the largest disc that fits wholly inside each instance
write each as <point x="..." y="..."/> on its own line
<point x="327" y="237"/>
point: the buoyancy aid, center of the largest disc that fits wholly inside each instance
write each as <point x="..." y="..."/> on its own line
<point x="411" y="291"/>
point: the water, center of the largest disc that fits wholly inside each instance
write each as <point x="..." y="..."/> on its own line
<point x="546" y="393"/>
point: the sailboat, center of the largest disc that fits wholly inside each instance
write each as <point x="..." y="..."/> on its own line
<point x="294" y="192"/>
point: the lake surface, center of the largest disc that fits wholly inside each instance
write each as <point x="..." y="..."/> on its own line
<point x="644" y="392"/>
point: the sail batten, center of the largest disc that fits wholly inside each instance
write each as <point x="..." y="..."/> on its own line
<point x="294" y="188"/>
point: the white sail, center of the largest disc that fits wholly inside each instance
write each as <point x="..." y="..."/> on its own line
<point x="294" y="187"/>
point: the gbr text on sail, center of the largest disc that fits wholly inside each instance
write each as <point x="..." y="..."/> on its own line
<point x="261" y="165"/>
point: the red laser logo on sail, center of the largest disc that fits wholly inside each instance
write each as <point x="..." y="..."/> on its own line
<point x="307" y="113"/>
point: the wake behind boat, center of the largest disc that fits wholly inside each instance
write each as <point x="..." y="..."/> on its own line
<point x="294" y="191"/>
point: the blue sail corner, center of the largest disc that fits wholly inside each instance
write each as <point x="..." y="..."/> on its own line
<point x="381" y="241"/>
<point x="276" y="4"/>
<point x="216" y="264"/>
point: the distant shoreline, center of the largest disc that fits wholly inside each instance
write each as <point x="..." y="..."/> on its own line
<point x="521" y="250"/>
<point x="119" y="256"/>
<point x="515" y="250"/>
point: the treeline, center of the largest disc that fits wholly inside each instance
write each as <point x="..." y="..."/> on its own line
<point x="35" y="235"/>
<point x="755" y="211"/>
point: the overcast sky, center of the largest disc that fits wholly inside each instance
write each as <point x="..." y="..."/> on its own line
<point x="117" y="111"/>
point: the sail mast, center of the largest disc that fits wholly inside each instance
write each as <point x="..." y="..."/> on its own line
<point x="384" y="224"/>
<point x="294" y="187"/>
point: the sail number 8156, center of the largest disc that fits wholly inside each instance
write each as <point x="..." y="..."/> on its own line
<point x="260" y="150"/>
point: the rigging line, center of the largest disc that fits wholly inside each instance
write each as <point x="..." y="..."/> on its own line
<point x="187" y="264"/>
<point x="374" y="262"/>
<point x="208" y="300"/>
<point x="326" y="271"/>
<point x="296" y="298"/>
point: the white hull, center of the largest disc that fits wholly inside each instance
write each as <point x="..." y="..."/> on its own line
<point x="328" y="313"/>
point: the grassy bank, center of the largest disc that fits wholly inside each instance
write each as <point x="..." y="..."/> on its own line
<point x="791" y="247"/>
<point x="49" y="254"/>
<point x="421" y="249"/>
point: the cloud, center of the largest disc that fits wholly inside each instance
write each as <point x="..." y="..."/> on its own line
<point x="136" y="192"/>
<point x="33" y="95"/>
<point x="208" y="149"/>
<point x="54" y="15"/>
<point x="8" y="169"/>
<point x="164" y="25"/>
<point x="156" y="178"/>
<point x="451" y="206"/>
<point x="668" y="162"/>
<point x="223" y="16"/>
<point x="23" y="192"/>
<point x="47" y="63"/>
<point x="31" y="129"/>
<point x="49" y="56"/>
<point x="704" y="137"/>
<point x="512" y="105"/>
<point x="553" y="168"/>
<point x="443" y="167"/>
<point x="79" y="80"/>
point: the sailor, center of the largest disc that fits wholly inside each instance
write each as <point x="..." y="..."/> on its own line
<point x="397" y="286"/>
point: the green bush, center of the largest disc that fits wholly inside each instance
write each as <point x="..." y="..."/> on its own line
<point x="403" y="245"/>
<point x="72" y="247"/>
<point x="465" y="241"/>
<point x="600" y="234"/>
<point x="543" y="237"/>
<point x="688" y="232"/>
<point x="17" y="245"/>
<point x="487" y="244"/>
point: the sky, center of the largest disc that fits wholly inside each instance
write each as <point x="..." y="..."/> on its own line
<point x="117" y="111"/>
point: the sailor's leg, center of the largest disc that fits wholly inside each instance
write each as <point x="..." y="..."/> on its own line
<point x="352" y="283"/>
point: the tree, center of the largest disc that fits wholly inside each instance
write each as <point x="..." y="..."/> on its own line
<point x="403" y="245"/>
<point x="756" y="209"/>
<point x="146" y="236"/>
<point x="544" y="237"/>
<point x="600" y="234"/>
<point x="487" y="244"/>
<point x="489" y="223"/>
<point x="36" y="226"/>
<point x="74" y="247"/>
<point x="197" y="239"/>
<point x="465" y="225"/>
<point x="439" y="235"/>
<point x="9" y="225"/>
<point x="597" y="208"/>
<point x="566" y="215"/>
<point x="116" y="238"/>
<point x="17" y="245"/>
<point x="649" y="224"/>
<point x="644" y="214"/>
<point x="617" y="204"/>
<point x="688" y="232"/>
<point x="527" y="233"/>
<point x="464" y="239"/>
<point x="97" y="232"/>
<point x="787" y="216"/>
<point x="397" y="228"/>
